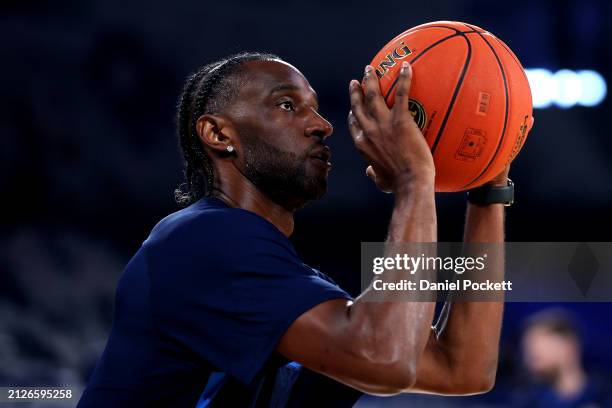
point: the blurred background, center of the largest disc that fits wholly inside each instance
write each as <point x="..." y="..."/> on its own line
<point x="89" y="162"/>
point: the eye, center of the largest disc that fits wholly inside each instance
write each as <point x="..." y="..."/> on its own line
<point x="287" y="105"/>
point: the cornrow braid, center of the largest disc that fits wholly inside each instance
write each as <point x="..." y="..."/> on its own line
<point x="208" y="90"/>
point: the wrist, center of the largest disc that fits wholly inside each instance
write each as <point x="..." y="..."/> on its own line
<point x="414" y="187"/>
<point x="409" y="186"/>
<point x="501" y="180"/>
<point x="497" y="182"/>
<point x="492" y="193"/>
<point x="414" y="181"/>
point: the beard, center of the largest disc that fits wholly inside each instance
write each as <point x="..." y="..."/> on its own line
<point x="282" y="176"/>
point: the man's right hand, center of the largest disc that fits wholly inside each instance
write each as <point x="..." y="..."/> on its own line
<point x="389" y="139"/>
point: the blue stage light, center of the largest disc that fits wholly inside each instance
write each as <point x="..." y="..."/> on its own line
<point x="566" y="88"/>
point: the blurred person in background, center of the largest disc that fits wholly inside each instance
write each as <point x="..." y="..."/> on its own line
<point x="552" y="354"/>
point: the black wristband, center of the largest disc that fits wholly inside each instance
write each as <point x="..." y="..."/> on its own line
<point x="485" y="195"/>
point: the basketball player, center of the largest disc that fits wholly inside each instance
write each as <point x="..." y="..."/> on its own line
<point x="216" y="308"/>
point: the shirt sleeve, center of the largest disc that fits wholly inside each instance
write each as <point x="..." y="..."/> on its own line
<point x="228" y="287"/>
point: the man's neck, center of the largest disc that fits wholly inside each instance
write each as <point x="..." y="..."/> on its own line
<point x="237" y="191"/>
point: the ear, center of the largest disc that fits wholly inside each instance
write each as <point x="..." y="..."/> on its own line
<point x="216" y="132"/>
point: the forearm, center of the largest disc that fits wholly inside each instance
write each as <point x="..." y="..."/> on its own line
<point x="462" y="357"/>
<point x="398" y="330"/>
<point x="414" y="214"/>
<point x="484" y="224"/>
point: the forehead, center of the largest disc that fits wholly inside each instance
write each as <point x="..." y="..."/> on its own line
<point x="265" y="76"/>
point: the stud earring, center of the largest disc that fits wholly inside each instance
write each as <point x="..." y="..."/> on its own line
<point x="230" y="149"/>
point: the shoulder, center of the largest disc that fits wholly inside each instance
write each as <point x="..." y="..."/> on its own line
<point x="209" y="233"/>
<point x="210" y="220"/>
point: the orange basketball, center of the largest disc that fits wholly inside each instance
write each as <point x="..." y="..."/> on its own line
<point x="469" y="96"/>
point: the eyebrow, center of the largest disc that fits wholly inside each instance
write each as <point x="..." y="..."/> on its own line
<point x="284" y="87"/>
<point x="291" y="87"/>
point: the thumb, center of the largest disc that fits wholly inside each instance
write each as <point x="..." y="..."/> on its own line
<point x="381" y="183"/>
<point x="371" y="173"/>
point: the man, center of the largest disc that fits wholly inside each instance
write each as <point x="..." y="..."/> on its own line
<point x="216" y="302"/>
<point x="552" y="353"/>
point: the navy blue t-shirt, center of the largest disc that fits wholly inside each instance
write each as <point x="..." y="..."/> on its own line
<point x="199" y="311"/>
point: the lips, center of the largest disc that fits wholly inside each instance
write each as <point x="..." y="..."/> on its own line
<point x="323" y="154"/>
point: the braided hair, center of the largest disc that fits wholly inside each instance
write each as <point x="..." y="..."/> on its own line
<point x="208" y="90"/>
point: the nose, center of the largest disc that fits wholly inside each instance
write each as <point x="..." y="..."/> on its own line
<point x="319" y="127"/>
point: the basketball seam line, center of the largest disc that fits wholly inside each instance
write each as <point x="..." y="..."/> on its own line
<point x="412" y="61"/>
<point x="454" y="97"/>
<point x="501" y="139"/>
<point x="457" y="33"/>
<point x="514" y="57"/>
